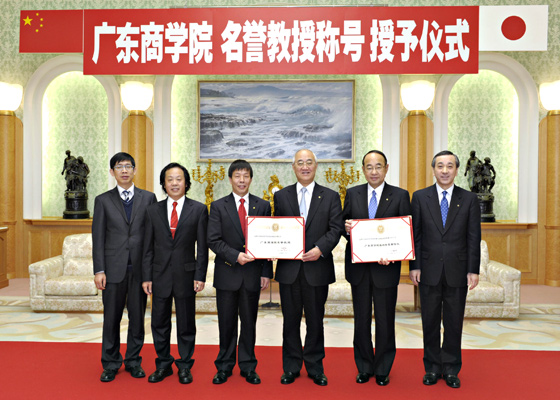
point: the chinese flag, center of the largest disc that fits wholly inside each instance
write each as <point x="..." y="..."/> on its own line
<point x="51" y="31"/>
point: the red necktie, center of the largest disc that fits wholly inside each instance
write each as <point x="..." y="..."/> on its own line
<point x="242" y="216"/>
<point x="174" y="219"/>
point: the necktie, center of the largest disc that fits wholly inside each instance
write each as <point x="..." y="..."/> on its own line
<point x="302" y="204"/>
<point x="174" y="220"/>
<point x="372" y="208"/>
<point x="444" y="208"/>
<point x="242" y="216"/>
<point x="125" y="195"/>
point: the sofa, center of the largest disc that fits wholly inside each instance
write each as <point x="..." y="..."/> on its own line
<point x="498" y="292"/>
<point x="496" y="296"/>
<point x="65" y="283"/>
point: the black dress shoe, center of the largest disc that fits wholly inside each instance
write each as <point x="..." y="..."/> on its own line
<point x="452" y="381"/>
<point x="108" y="374"/>
<point x="382" y="380"/>
<point x="431" y="378"/>
<point x="319" y="379"/>
<point x="288" y="377"/>
<point x="251" y="377"/>
<point x="221" y="377"/>
<point x="185" y="375"/>
<point x="160" y="374"/>
<point x="135" y="371"/>
<point x="363" y="377"/>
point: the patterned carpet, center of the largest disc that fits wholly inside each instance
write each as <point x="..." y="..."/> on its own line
<point x="535" y="329"/>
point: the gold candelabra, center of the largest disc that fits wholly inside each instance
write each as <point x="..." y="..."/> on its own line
<point x="343" y="179"/>
<point x="210" y="177"/>
<point x="273" y="187"/>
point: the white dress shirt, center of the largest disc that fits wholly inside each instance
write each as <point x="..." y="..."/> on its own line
<point x="179" y="208"/>
<point x="130" y="192"/>
<point x="440" y="193"/>
<point x="308" y="194"/>
<point x="238" y="203"/>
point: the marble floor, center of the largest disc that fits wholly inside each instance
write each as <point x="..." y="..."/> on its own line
<point x="537" y="328"/>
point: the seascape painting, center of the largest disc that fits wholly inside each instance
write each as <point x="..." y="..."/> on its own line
<point x="270" y="121"/>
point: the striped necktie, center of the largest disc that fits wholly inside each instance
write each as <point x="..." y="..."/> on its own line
<point x="174" y="220"/>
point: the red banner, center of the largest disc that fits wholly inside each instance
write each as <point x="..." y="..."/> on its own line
<point x="51" y="31"/>
<point x="280" y="40"/>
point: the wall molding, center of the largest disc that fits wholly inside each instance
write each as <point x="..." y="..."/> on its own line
<point x="391" y="135"/>
<point x="162" y="126"/>
<point x="528" y="134"/>
<point x="33" y="125"/>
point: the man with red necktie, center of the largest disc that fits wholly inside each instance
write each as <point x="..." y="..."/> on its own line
<point x="238" y="278"/>
<point x="173" y="271"/>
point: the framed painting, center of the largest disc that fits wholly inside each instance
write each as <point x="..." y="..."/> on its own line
<point x="269" y="121"/>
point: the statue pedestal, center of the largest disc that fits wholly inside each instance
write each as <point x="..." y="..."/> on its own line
<point x="486" y="207"/>
<point x="76" y="205"/>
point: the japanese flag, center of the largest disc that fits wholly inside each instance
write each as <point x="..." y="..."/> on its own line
<point x="513" y="28"/>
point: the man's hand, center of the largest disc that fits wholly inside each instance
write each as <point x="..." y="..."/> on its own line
<point x="265" y="283"/>
<point x="147" y="286"/>
<point x="243" y="258"/>
<point x="312" y="255"/>
<point x="198" y="286"/>
<point x="414" y="276"/>
<point x="472" y="280"/>
<point x="100" y="280"/>
<point x="385" y="261"/>
<point x="348" y="225"/>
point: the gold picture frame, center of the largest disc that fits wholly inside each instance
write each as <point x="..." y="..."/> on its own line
<point x="269" y="120"/>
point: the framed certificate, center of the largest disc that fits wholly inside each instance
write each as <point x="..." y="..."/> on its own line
<point x="275" y="237"/>
<point x="387" y="238"/>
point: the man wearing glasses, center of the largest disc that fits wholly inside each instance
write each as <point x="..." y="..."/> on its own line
<point x="304" y="284"/>
<point x="118" y="235"/>
<point x="376" y="282"/>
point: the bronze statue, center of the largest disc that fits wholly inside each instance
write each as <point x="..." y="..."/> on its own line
<point x="472" y="164"/>
<point x="483" y="177"/>
<point x="76" y="173"/>
<point x="68" y="161"/>
<point x="487" y="176"/>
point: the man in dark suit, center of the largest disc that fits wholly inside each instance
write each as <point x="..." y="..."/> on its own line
<point x="238" y="278"/>
<point x="304" y="284"/>
<point x="117" y="235"/>
<point x="377" y="282"/>
<point x="172" y="271"/>
<point x="446" y="226"/>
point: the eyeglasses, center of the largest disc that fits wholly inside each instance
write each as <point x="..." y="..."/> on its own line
<point x="128" y="167"/>
<point x="377" y="168"/>
<point x="301" y="163"/>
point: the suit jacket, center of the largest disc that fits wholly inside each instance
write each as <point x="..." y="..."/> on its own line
<point x="394" y="202"/>
<point x="225" y="238"/>
<point x="114" y="238"/>
<point x="169" y="262"/>
<point x="455" y="248"/>
<point x="323" y="228"/>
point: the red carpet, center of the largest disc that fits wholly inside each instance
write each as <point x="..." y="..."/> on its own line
<point x="32" y="370"/>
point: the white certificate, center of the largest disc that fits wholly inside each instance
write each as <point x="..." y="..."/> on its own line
<point x="387" y="238"/>
<point x="275" y="237"/>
